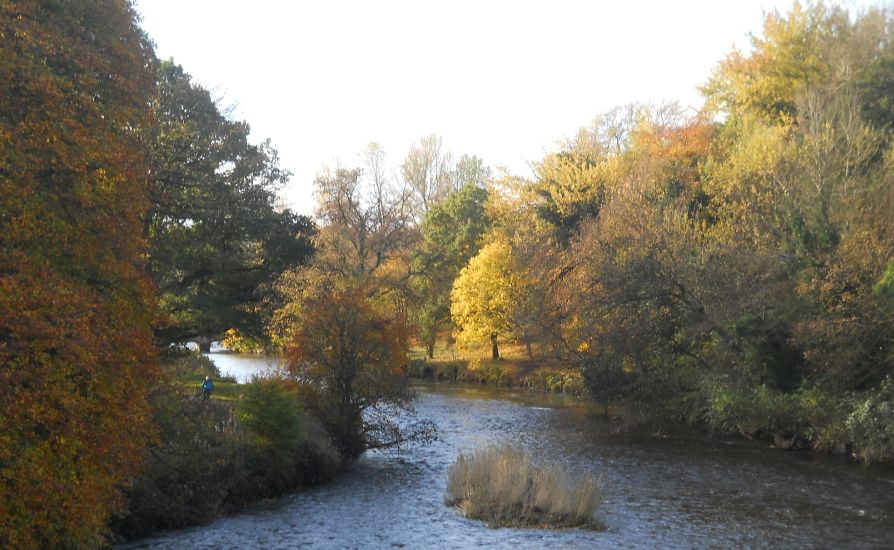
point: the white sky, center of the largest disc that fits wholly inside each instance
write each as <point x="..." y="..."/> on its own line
<point x="504" y="80"/>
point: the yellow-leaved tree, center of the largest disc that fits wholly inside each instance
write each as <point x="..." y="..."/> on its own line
<point x="486" y="297"/>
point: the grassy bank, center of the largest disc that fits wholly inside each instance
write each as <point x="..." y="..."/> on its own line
<point x="513" y="369"/>
<point x="214" y="456"/>
<point x="225" y="389"/>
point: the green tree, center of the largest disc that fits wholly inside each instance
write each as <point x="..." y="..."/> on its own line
<point x="451" y="231"/>
<point x="76" y="360"/>
<point x="217" y="241"/>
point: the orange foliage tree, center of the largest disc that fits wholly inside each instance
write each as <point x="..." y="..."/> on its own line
<point x="351" y="359"/>
<point x="75" y="303"/>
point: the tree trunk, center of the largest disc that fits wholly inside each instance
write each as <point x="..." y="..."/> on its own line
<point x="494" y="350"/>
<point x="204" y="345"/>
<point x="528" y="349"/>
<point x="430" y="348"/>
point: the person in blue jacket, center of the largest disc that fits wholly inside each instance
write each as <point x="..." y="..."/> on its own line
<point x="207" y="386"/>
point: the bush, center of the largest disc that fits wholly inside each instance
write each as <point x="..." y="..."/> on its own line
<point x="870" y="423"/>
<point x="213" y="456"/>
<point x="502" y="487"/>
<point x="188" y="471"/>
<point x="566" y="380"/>
<point x="289" y="446"/>
<point x="808" y="411"/>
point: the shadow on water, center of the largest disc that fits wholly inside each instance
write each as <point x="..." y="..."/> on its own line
<point x="680" y="490"/>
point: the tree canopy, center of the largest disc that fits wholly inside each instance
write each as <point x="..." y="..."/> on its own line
<point x="485" y="296"/>
<point x="75" y="301"/>
<point x="217" y="240"/>
<point x="450" y="231"/>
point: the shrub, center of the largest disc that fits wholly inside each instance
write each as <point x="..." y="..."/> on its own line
<point x="420" y="369"/>
<point x="808" y="411"/>
<point x="504" y="488"/>
<point x="288" y="445"/>
<point x="556" y="380"/>
<point x="871" y="422"/>
<point x="272" y="414"/>
<point x="189" y="470"/>
<point x="213" y="457"/>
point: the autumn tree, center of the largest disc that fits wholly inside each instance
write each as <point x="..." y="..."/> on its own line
<point x="573" y="184"/>
<point x="365" y="218"/>
<point x="470" y="169"/>
<point x="653" y="281"/>
<point x="428" y="172"/>
<point x="806" y="158"/>
<point x="75" y="301"/>
<point x="512" y="212"/>
<point x="344" y="318"/>
<point x="217" y="240"/>
<point x="485" y="297"/>
<point x="351" y="357"/>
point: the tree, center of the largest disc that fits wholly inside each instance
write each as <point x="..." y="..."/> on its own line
<point x="365" y="221"/>
<point x="793" y="54"/>
<point x="351" y="359"/>
<point x="217" y="240"/>
<point x="428" y="172"/>
<point x="451" y="231"/>
<point x="470" y="170"/>
<point x="512" y="214"/>
<point x="485" y="297"/>
<point x="801" y="152"/>
<point x="573" y="184"/>
<point x="75" y="301"/>
<point x="365" y="238"/>
<point x="344" y="318"/>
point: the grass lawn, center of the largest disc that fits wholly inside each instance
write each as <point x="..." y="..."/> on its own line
<point x="514" y="368"/>
<point x="513" y="357"/>
<point x="226" y="391"/>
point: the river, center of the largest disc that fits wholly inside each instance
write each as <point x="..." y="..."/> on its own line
<point x="661" y="491"/>
<point x="242" y="366"/>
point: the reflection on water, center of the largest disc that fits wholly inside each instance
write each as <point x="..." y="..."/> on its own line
<point x="242" y="366"/>
<point x="660" y="491"/>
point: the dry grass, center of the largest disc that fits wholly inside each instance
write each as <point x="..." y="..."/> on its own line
<point x="504" y="488"/>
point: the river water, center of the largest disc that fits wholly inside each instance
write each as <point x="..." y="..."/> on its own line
<point x="660" y="491"/>
<point x="242" y="366"/>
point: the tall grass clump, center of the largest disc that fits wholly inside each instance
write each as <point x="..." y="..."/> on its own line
<point x="503" y="487"/>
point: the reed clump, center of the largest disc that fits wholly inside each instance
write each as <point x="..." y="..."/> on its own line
<point x="503" y="487"/>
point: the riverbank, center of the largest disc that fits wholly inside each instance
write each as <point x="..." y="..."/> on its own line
<point x="212" y="457"/>
<point x="804" y="421"/>
<point x="669" y="490"/>
<point x="513" y="370"/>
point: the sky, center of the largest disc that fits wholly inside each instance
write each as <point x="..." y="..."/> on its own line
<point x="503" y="80"/>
